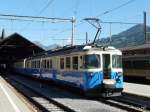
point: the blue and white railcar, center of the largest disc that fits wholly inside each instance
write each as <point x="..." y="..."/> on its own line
<point x="94" y="69"/>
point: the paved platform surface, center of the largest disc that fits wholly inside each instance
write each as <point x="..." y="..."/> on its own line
<point x="137" y="89"/>
<point x="9" y="101"/>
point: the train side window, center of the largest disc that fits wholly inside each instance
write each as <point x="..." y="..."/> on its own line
<point x="75" y="62"/>
<point x="61" y="63"/>
<point x="139" y="64"/>
<point x="33" y="64"/>
<point x="50" y="64"/>
<point x="44" y="64"/>
<point x="148" y="64"/>
<point x="37" y="64"/>
<point x="68" y="62"/>
<point x="81" y="62"/>
<point x="28" y="64"/>
<point x="47" y="63"/>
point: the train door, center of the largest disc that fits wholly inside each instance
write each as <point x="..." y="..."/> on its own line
<point x="106" y="66"/>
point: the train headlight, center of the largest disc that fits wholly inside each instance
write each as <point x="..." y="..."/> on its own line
<point x="109" y="81"/>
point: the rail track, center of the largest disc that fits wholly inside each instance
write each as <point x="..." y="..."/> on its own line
<point x="42" y="103"/>
<point x="125" y="102"/>
<point x="128" y="103"/>
<point x="140" y="102"/>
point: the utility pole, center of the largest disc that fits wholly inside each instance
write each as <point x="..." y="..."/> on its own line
<point x="145" y="28"/>
<point x="73" y="28"/>
<point x="86" y="38"/>
<point x="110" y="33"/>
<point x="3" y="35"/>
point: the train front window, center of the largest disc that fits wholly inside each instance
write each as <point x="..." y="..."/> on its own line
<point x="116" y="61"/>
<point x="91" y="61"/>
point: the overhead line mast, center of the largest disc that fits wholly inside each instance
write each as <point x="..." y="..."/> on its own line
<point x="145" y="28"/>
<point x="41" y="19"/>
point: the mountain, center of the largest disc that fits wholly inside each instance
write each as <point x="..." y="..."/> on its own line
<point x="53" y="46"/>
<point x="131" y="37"/>
<point x="40" y="45"/>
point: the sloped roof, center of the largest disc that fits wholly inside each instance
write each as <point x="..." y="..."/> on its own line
<point x="16" y="46"/>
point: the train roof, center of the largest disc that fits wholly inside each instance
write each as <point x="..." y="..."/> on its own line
<point x="136" y="50"/>
<point x="137" y="57"/>
<point x="76" y="48"/>
<point x="139" y="47"/>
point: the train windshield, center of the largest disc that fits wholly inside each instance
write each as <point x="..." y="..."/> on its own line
<point x="116" y="61"/>
<point x="91" y="61"/>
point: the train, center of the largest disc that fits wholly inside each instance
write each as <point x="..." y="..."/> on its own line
<point x="97" y="70"/>
<point x="137" y="66"/>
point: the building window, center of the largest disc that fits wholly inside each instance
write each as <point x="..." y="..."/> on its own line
<point x="75" y="62"/>
<point x="61" y="63"/>
<point x="68" y="61"/>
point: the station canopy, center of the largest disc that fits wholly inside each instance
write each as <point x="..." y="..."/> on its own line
<point x="16" y="47"/>
<point x="136" y="50"/>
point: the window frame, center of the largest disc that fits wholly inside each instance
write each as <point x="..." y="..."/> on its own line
<point x="68" y="63"/>
<point x="117" y="67"/>
<point x="75" y="66"/>
<point x="99" y="61"/>
<point x="62" y="64"/>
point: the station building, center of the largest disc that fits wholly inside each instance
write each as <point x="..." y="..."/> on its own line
<point x="15" y="47"/>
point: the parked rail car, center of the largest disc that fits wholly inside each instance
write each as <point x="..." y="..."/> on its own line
<point x="96" y="70"/>
<point x="137" y="66"/>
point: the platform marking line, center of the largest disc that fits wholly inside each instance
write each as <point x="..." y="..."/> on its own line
<point x="9" y="98"/>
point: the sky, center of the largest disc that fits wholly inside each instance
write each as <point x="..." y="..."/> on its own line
<point x="48" y="33"/>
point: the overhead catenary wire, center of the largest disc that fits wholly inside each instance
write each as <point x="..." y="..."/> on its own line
<point x="45" y="7"/>
<point x="108" y="11"/>
<point x="118" y="22"/>
<point x="113" y="9"/>
<point x="105" y="22"/>
<point x="116" y="8"/>
<point x="39" y="13"/>
<point x="76" y="8"/>
<point x="32" y="18"/>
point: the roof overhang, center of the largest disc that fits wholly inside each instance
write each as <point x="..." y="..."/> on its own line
<point x="16" y="47"/>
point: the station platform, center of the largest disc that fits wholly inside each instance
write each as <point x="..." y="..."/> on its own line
<point x="137" y="89"/>
<point x="10" y="101"/>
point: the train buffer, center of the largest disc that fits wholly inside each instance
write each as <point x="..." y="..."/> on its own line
<point x="11" y="101"/>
